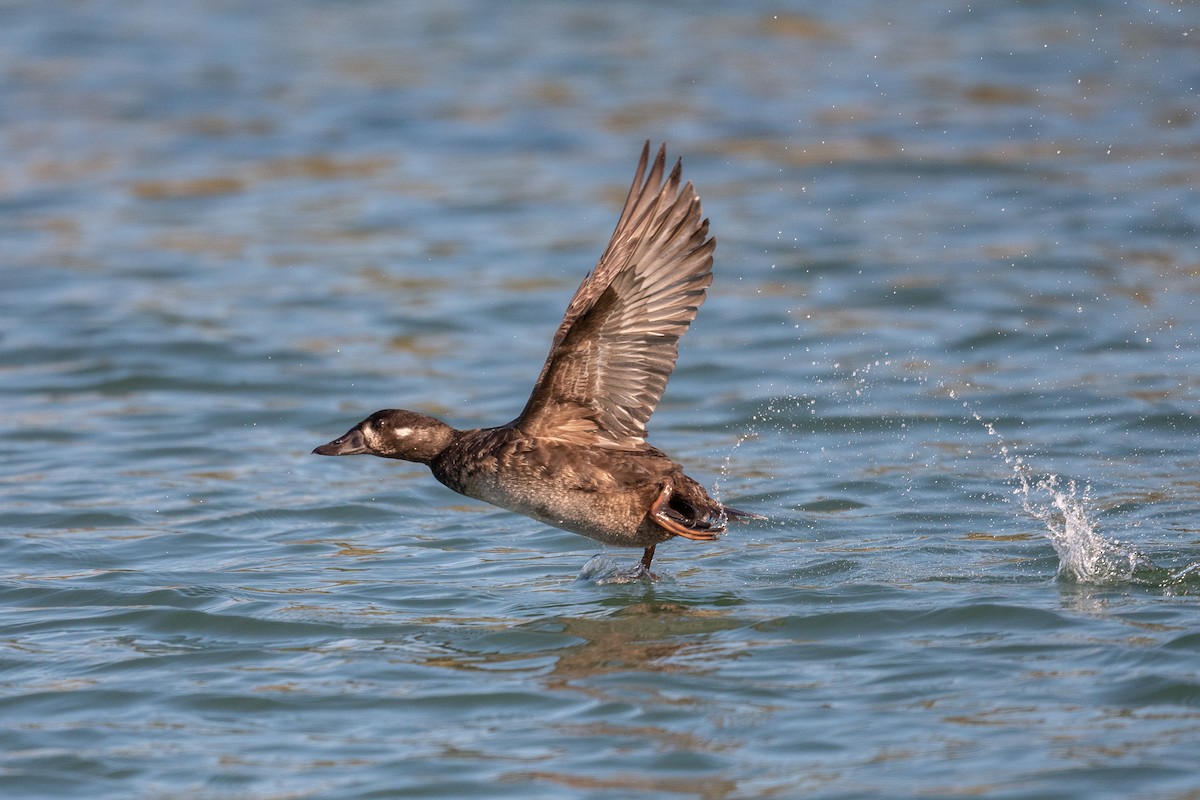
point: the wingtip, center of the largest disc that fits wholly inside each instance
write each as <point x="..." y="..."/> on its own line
<point x="660" y="158"/>
<point x="677" y="170"/>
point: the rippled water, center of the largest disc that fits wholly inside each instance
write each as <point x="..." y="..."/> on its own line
<point x="951" y="351"/>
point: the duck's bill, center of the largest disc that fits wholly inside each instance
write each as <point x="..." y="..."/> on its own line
<point x="350" y="444"/>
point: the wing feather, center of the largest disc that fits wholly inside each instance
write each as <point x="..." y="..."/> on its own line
<point x="618" y="341"/>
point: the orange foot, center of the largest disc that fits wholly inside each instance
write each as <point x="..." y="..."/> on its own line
<point x="673" y="523"/>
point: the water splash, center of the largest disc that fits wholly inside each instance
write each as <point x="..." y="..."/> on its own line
<point x="1063" y="506"/>
<point x="604" y="570"/>
<point x="774" y="409"/>
<point x="1068" y="514"/>
<point x="1085" y="555"/>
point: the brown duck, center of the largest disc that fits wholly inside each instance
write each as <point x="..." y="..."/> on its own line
<point x="576" y="457"/>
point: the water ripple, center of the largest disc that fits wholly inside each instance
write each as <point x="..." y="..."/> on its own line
<point x="946" y="352"/>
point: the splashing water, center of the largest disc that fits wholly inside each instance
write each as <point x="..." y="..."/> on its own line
<point x="1063" y="506"/>
<point x="773" y="409"/>
<point x="603" y="570"/>
<point x="1084" y="554"/>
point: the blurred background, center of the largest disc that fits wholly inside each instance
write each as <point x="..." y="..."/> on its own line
<point x="951" y="350"/>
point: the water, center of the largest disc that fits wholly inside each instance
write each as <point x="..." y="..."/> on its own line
<point x="950" y="352"/>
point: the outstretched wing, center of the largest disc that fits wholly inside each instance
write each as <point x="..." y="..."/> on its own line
<point x="617" y="344"/>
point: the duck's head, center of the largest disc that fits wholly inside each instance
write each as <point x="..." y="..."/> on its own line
<point x="393" y="433"/>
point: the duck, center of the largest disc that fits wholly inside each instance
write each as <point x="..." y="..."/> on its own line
<point x="576" y="457"/>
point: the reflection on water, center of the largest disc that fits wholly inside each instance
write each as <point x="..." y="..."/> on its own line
<point x="653" y="637"/>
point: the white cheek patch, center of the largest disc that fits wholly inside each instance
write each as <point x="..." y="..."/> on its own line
<point x="402" y="432"/>
<point x="372" y="437"/>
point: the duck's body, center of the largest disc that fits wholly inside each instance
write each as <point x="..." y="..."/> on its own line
<point x="576" y="458"/>
<point x="602" y="494"/>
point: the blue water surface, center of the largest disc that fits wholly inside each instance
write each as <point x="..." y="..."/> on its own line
<point x="951" y="352"/>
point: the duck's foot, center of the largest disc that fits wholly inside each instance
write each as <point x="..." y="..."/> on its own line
<point x="696" y="525"/>
<point x="602" y="569"/>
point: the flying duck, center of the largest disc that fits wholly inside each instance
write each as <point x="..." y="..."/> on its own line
<point x="576" y="457"/>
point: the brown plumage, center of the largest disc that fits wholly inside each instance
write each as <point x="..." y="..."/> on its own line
<point x="576" y="457"/>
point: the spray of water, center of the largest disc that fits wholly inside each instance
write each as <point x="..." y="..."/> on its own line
<point x="775" y="409"/>
<point x="1068" y="514"/>
<point x="1084" y="554"/>
<point x="604" y="570"/>
<point x="1063" y="507"/>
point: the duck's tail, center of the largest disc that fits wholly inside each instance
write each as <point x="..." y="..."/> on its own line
<point x="730" y="512"/>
